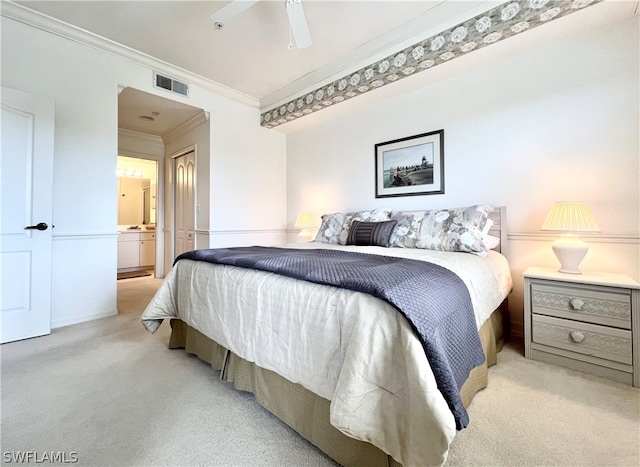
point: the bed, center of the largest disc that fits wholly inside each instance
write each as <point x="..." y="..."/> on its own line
<point x="343" y="368"/>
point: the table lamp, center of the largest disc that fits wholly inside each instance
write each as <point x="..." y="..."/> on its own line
<point x="571" y="218"/>
<point x="305" y="222"/>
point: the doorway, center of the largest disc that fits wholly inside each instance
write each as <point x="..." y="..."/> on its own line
<point x="148" y="125"/>
<point x="137" y="215"/>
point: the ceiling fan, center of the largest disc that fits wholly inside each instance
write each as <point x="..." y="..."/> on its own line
<point x="298" y="27"/>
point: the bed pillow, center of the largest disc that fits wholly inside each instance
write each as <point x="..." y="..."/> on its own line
<point x="373" y="215"/>
<point x="407" y="230"/>
<point x="491" y="242"/>
<point x="335" y="227"/>
<point x="370" y="233"/>
<point x="330" y="228"/>
<point x="459" y="229"/>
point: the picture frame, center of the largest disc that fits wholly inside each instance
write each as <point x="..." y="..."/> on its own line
<point x="411" y="166"/>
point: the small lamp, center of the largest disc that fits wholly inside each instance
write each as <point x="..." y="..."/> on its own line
<point x="571" y="218"/>
<point x="305" y="222"/>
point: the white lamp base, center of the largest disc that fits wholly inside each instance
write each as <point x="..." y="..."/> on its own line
<point x="570" y="251"/>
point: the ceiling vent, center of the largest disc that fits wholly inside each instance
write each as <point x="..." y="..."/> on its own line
<point x="170" y="84"/>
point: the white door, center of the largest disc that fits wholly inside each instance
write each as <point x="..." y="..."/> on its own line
<point x="26" y="173"/>
<point x="184" y="208"/>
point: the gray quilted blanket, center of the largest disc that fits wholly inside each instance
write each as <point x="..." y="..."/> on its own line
<point x="434" y="300"/>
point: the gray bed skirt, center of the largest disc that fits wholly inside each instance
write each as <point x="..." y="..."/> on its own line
<point x="306" y="412"/>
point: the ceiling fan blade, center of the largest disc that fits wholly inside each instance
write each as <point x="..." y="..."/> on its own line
<point x="231" y="11"/>
<point x="298" y="23"/>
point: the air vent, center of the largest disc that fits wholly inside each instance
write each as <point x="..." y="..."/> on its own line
<point x="170" y="84"/>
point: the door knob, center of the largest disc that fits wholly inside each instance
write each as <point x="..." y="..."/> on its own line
<point x="40" y="226"/>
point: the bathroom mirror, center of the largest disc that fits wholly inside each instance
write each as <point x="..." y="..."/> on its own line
<point x="134" y="201"/>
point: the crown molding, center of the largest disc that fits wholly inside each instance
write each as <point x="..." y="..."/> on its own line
<point x="190" y="124"/>
<point x="81" y="36"/>
<point x="127" y="138"/>
<point x="358" y="72"/>
<point x="441" y="16"/>
<point x="498" y="24"/>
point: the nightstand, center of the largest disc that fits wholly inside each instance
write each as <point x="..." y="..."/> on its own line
<point x="588" y="322"/>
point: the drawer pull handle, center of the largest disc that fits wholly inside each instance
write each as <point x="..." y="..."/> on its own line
<point x="576" y="303"/>
<point x="576" y="336"/>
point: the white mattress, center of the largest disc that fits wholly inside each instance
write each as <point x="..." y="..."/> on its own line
<point x="349" y="347"/>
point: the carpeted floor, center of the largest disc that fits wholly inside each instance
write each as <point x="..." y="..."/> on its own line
<point x="114" y="394"/>
<point x="135" y="293"/>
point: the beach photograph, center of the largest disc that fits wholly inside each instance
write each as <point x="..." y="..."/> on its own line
<point x="408" y="166"/>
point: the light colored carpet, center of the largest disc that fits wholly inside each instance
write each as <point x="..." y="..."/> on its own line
<point x="537" y="414"/>
<point x="114" y="394"/>
<point x="135" y="293"/>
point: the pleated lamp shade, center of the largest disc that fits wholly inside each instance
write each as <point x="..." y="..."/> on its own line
<point x="305" y="222"/>
<point x="570" y="218"/>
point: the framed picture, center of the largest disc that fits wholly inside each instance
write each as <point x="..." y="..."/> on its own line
<point x="410" y="166"/>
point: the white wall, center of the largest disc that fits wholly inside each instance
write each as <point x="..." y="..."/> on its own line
<point x="246" y="167"/>
<point x="84" y="83"/>
<point x="558" y="122"/>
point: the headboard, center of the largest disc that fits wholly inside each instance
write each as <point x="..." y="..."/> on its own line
<point x="499" y="228"/>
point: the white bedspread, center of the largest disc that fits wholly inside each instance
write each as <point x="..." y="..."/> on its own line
<point x="351" y="348"/>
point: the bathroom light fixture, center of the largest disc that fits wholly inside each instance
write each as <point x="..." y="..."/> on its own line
<point x="129" y="173"/>
<point x="570" y="218"/>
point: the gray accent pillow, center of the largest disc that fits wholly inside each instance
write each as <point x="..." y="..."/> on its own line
<point x="370" y="233"/>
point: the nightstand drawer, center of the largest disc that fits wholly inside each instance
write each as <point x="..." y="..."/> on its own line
<point x="599" y="305"/>
<point x="588" y="339"/>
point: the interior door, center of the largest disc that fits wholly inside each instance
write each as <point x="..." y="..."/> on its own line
<point x="184" y="211"/>
<point x="26" y="173"/>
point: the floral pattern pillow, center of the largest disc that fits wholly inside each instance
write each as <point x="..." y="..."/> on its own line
<point x="407" y="230"/>
<point x="330" y="228"/>
<point x="335" y="227"/>
<point x="460" y="229"/>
